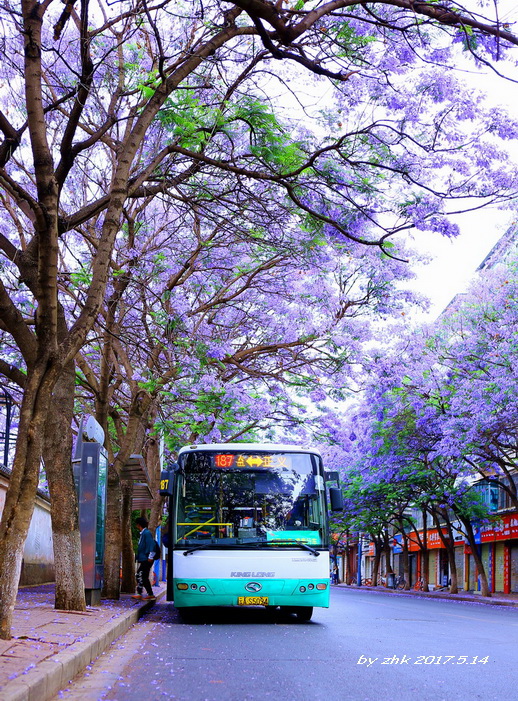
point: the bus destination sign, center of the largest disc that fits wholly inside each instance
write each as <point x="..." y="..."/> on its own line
<point x="229" y="460"/>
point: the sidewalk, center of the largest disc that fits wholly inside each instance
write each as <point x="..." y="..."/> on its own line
<point x="51" y="647"/>
<point x="497" y="599"/>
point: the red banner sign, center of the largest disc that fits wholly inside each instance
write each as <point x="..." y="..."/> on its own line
<point x="504" y="528"/>
<point x="433" y="540"/>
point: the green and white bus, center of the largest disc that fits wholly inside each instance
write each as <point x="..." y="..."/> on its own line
<point x="249" y="527"/>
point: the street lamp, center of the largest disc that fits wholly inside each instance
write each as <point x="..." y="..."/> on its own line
<point x="6" y="404"/>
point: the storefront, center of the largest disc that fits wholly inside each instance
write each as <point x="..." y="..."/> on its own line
<point x="340" y="555"/>
<point x="432" y="567"/>
<point x="369" y="553"/>
<point x="513" y="569"/>
<point x="498" y="579"/>
<point x="459" y="564"/>
<point x="344" y="550"/>
<point x="499" y="551"/>
<point x="437" y="559"/>
<point x="497" y="545"/>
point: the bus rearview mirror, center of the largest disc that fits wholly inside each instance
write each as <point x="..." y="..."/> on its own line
<point x="336" y="499"/>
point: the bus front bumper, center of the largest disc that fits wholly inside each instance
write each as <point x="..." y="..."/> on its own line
<point x="226" y="592"/>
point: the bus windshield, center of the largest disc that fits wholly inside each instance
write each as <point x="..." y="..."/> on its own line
<point x="240" y="498"/>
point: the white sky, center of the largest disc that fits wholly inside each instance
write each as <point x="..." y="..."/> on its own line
<point x="455" y="261"/>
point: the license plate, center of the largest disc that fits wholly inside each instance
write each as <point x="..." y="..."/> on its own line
<point x="252" y="601"/>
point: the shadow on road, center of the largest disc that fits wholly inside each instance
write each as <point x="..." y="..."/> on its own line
<point x="223" y="615"/>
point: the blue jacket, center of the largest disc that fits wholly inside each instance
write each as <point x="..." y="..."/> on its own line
<point x="145" y="545"/>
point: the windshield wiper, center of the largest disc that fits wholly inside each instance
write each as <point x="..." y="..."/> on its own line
<point x="224" y="546"/>
<point x="294" y="542"/>
<point x="251" y="546"/>
<point x="198" y="547"/>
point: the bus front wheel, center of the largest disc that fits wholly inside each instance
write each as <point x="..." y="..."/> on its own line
<point x="188" y="614"/>
<point x="304" y="613"/>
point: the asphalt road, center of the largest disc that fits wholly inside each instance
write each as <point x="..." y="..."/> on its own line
<point x="367" y="647"/>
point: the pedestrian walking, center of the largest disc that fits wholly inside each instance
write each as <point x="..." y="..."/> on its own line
<point x="145" y="557"/>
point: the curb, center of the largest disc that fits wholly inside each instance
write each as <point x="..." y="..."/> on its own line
<point x="474" y="598"/>
<point x="44" y="681"/>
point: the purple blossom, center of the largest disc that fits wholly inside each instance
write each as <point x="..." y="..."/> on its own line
<point x="317" y="395"/>
<point x="216" y="351"/>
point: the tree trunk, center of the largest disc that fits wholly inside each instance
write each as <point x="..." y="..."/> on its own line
<point x="454" y="578"/>
<point x="57" y="454"/>
<point x="128" y="581"/>
<point x="113" y="538"/>
<point x="386" y="550"/>
<point x="449" y="543"/>
<point x="23" y="484"/>
<point x="424" y="552"/>
<point x="153" y="465"/>
<point x="484" y="585"/>
<point x="113" y="535"/>
<point x="406" y="561"/>
<point x="377" y="560"/>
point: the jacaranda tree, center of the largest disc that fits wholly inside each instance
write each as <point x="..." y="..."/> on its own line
<point x="439" y="417"/>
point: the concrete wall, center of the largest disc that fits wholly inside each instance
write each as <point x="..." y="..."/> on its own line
<point x="38" y="555"/>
